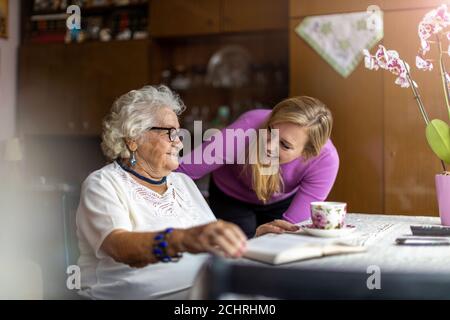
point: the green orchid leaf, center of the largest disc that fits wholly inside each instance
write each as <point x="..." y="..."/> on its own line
<point x="438" y="137"/>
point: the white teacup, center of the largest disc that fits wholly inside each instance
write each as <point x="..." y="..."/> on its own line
<point x="328" y="215"/>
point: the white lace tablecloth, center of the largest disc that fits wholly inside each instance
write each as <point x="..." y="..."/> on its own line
<point x="378" y="234"/>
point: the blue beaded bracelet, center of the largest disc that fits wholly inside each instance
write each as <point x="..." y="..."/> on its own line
<point x="160" y="247"/>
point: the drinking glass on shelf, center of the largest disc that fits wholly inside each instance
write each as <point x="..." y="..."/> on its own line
<point x="229" y="67"/>
<point x="180" y="81"/>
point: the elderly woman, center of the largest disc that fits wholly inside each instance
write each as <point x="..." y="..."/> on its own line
<point x="135" y="212"/>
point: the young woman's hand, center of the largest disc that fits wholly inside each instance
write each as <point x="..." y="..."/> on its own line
<point x="276" y="226"/>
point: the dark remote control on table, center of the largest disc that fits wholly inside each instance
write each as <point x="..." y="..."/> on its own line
<point x="430" y="230"/>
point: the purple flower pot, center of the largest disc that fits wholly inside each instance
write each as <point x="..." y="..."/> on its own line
<point x="443" y="195"/>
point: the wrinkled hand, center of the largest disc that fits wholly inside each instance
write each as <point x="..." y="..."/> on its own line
<point x="220" y="237"/>
<point x="276" y="226"/>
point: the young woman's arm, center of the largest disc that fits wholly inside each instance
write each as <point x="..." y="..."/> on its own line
<point x="203" y="160"/>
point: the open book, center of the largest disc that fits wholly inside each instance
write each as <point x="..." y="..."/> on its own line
<point x="287" y="247"/>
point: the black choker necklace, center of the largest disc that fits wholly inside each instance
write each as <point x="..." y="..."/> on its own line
<point x="137" y="175"/>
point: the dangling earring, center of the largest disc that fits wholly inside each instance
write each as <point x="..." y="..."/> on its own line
<point x="133" y="160"/>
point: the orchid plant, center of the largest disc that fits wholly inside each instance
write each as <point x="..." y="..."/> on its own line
<point x="433" y="29"/>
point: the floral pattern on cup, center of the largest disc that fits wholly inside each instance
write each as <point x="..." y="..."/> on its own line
<point x="328" y="215"/>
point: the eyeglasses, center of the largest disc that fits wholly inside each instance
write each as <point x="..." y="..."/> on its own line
<point x="173" y="133"/>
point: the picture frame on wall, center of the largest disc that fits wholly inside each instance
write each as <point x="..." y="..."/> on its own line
<point x="4" y="19"/>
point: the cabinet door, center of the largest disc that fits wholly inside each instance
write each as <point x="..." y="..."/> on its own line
<point x="68" y="89"/>
<point x="108" y="70"/>
<point x="254" y="15"/>
<point x="45" y="90"/>
<point x="184" y="17"/>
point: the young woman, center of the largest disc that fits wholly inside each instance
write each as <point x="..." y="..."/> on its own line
<point x="308" y="164"/>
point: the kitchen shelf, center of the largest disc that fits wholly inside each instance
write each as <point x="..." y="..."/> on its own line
<point x="96" y="10"/>
<point x="122" y="22"/>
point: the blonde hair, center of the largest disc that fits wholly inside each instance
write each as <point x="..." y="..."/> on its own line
<point x="306" y="112"/>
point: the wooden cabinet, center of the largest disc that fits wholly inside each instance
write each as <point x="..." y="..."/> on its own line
<point x="386" y="164"/>
<point x="184" y="17"/>
<point x="67" y="90"/>
<point x="198" y="17"/>
<point x="254" y="15"/>
<point x="45" y="104"/>
<point x="108" y="72"/>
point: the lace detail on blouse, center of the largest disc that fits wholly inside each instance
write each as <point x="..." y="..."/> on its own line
<point x="173" y="203"/>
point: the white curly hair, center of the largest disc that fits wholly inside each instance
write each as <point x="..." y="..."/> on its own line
<point x="132" y="114"/>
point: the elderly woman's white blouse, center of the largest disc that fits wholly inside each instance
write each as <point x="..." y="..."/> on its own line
<point x="111" y="199"/>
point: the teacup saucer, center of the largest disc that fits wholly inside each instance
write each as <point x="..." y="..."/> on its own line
<point x="328" y="233"/>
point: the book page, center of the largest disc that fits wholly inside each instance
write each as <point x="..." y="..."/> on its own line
<point x="282" y="248"/>
<point x="272" y="242"/>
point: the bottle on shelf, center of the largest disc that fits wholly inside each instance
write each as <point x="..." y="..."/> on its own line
<point x="166" y="77"/>
<point x="279" y="75"/>
<point x="204" y="115"/>
<point x="222" y="118"/>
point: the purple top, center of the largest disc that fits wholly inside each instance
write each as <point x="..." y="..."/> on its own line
<point x="309" y="181"/>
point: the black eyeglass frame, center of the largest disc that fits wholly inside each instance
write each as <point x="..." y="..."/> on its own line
<point x="172" y="136"/>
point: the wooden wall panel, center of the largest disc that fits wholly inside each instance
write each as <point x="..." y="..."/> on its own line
<point x="410" y="164"/>
<point x="386" y="164"/>
<point x="302" y="8"/>
<point x="253" y="15"/>
<point x="357" y="106"/>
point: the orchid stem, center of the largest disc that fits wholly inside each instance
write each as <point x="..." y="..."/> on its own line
<point x="420" y="104"/>
<point x="444" y="83"/>
<point x="417" y="96"/>
<point x="443" y="76"/>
